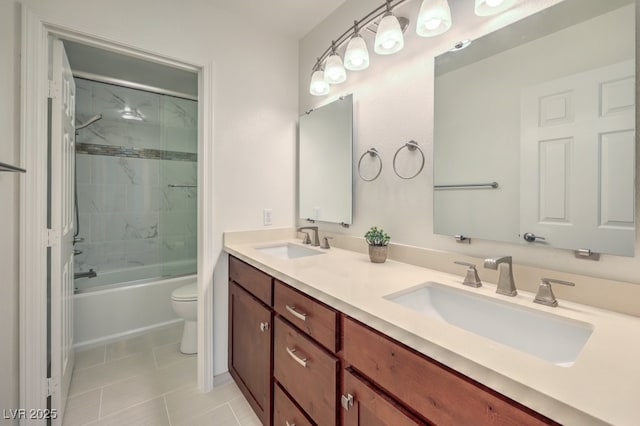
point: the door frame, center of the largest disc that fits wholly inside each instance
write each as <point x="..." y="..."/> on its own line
<point x="33" y="201"/>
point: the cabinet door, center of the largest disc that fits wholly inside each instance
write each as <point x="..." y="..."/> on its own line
<point x="365" y="406"/>
<point x="250" y="349"/>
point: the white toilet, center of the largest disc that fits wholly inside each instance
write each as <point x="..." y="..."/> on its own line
<point x="184" y="301"/>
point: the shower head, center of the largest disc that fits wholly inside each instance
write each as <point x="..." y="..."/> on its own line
<point x="89" y="122"/>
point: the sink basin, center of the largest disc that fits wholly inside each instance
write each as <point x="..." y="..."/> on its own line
<point x="288" y="251"/>
<point x="549" y="337"/>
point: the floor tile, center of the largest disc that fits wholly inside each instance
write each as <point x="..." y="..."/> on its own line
<point x="146" y="342"/>
<point x="145" y="380"/>
<point x="125" y="393"/>
<point x="221" y="416"/>
<point x="110" y="372"/>
<point x="186" y="404"/>
<point x="90" y="357"/>
<point x="149" y="413"/>
<point x="168" y="354"/>
<point x="83" y="408"/>
<point x="244" y="412"/>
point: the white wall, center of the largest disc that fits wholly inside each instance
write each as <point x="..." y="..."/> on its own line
<point x="254" y="124"/>
<point x="9" y="204"/>
<point x="393" y="103"/>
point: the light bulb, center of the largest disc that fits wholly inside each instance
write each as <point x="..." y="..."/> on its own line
<point x="318" y="87"/>
<point x="334" y="72"/>
<point x="356" y="57"/>
<point x="389" y="38"/>
<point x="491" y="7"/>
<point x="434" y="18"/>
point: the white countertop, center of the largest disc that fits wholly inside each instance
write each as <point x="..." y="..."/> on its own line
<point x="602" y="387"/>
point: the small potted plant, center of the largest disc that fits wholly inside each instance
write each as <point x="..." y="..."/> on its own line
<point x="378" y="241"/>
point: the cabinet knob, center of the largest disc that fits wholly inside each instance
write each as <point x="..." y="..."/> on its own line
<point x="347" y="401"/>
<point x="264" y="326"/>
<point x="289" y="424"/>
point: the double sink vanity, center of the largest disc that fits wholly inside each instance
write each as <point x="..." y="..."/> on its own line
<point x="327" y="337"/>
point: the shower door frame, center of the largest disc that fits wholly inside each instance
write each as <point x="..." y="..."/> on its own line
<point x="33" y="201"/>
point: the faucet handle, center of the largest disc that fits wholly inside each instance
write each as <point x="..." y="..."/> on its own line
<point x="545" y="294"/>
<point x="471" y="279"/>
<point x="325" y="243"/>
<point x="306" y="239"/>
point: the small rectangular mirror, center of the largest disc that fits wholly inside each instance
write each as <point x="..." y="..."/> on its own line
<point x="325" y="158"/>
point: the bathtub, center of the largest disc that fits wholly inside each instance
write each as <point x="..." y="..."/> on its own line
<point x="109" y="310"/>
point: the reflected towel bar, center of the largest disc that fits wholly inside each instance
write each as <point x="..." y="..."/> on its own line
<point x="490" y="185"/>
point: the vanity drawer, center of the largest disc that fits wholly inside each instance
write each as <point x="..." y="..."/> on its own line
<point x="439" y="394"/>
<point x="285" y="412"/>
<point x="310" y="316"/>
<point x="253" y="280"/>
<point x="306" y="371"/>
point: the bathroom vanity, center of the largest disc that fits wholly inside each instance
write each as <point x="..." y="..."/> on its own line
<point x="316" y="339"/>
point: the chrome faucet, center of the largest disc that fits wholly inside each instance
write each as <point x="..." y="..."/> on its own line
<point x="316" y="237"/>
<point x="545" y="294"/>
<point x="506" y="284"/>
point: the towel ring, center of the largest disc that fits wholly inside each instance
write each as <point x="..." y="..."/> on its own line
<point x="411" y="146"/>
<point x="374" y="153"/>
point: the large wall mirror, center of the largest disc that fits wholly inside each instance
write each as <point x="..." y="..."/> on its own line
<point x="325" y="155"/>
<point x="534" y="131"/>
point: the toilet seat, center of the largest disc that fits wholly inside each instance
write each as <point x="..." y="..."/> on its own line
<point x="187" y="293"/>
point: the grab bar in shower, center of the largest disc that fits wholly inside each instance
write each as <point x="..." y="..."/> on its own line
<point x="4" y="167"/>
<point x="490" y="185"/>
<point x="182" y="186"/>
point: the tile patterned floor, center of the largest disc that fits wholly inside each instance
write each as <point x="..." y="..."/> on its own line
<point x="145" y="380"/>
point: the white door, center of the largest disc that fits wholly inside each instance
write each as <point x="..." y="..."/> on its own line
<point x="63" y="94"/>
<point x="577" y="160"/>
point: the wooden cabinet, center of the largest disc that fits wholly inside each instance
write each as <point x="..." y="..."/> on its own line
<point x="250" y="339"/>
<point x="435" y="392"/>
<point x="364" y="405"/>
<point x="296" y="360"/>
<point x="285" y="411"/>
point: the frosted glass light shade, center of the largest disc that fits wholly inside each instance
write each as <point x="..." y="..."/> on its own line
<point x="434" y="18"/>
<point x="491" y="7"/>
<point x="356" y="57"/>
<point x="389" y="38"/>
<point x="334" y="72"/>
<point x="318" y="87"/>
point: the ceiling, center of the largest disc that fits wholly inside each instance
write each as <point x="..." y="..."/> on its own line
<point x="291" y="18"/>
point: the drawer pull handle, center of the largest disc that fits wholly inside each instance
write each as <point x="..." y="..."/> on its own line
<point x="347" y="401"/>
<point x="264" y="326"/>
<point x="289" y="424"/>
<point x="296" y="358"/>
<point x="295" y="313"/>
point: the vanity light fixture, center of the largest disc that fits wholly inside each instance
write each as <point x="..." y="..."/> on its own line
<point x="334" y="72"/>
<point x="318" y="86"/>
<point x="491" y="7"/>
<point x="389" y="38"/>
<point x="356" y="57"/>
<point x="434" y="18"/>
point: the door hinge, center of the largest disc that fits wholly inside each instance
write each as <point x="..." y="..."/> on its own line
<point x="52" y="238"/>
<point x="52" y="89"/>
<point x="52" y="386"/>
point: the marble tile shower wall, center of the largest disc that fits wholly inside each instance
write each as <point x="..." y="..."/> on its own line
<point x="129" y="216"/>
